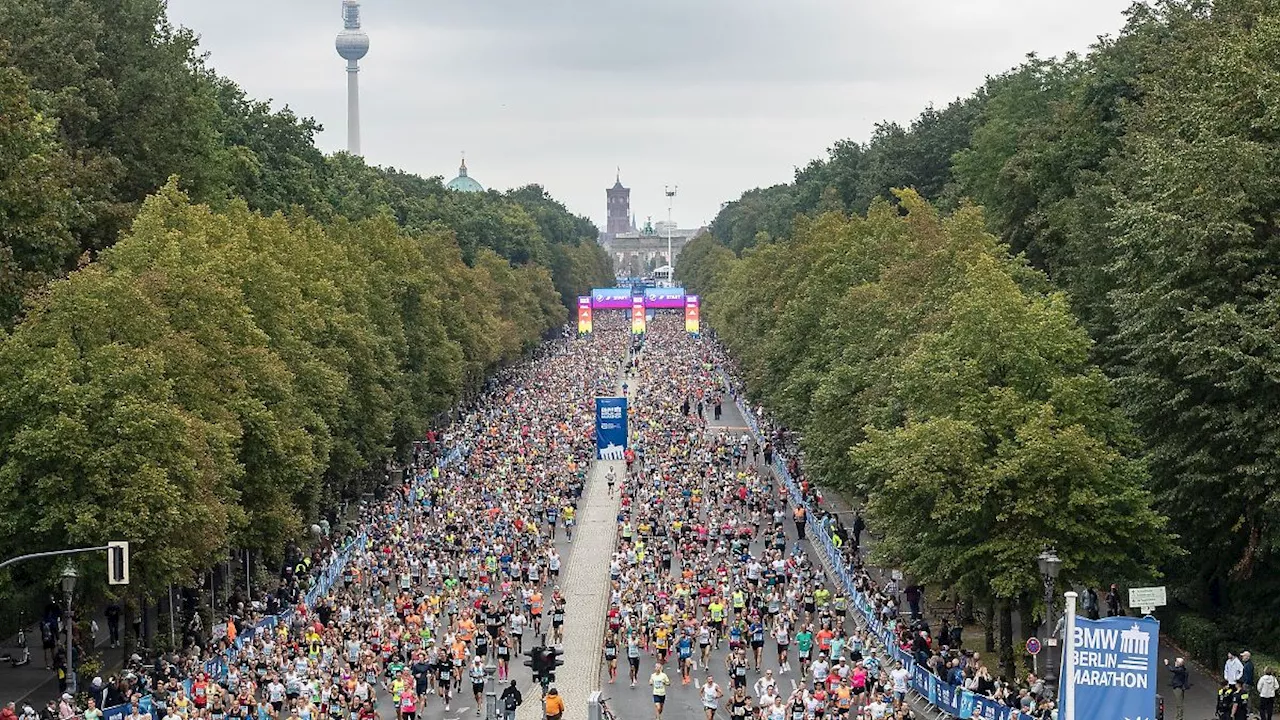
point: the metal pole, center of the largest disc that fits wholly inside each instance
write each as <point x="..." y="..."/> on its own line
<point x="1068" y="658"/>
<point x="71" y="671"/>
<point x="248" y="588"/>
<point x="51" y="553"/>
<point x="671" y="260"/>
<point x="490" y="692"/>
<point x="173" y="637"/>
<point x="1050" y="667"/>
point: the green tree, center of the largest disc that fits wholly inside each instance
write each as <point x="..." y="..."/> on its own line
<point x="35" y="238"/>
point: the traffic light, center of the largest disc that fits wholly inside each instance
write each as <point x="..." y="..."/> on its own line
<point x="118" y="563"/>
<point x="550" y="661"/>
<point x="536" y="662"/>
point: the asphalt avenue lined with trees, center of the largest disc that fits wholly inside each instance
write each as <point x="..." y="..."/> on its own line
<point x="1062" y="334"/>
<point x="1137" y="184"/>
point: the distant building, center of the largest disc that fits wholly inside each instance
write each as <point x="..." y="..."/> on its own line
<point x="464" y="182"/>
<point x="620" y="219"/>
<point x="637" y="253"/>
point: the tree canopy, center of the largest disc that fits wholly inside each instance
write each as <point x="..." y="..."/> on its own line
<point x="937" y="376"/>
<point x="1140" y="180"/>
<point x="211" y="333"/>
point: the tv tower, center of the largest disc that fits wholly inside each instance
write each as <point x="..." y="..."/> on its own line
<point x="352" y="45"/>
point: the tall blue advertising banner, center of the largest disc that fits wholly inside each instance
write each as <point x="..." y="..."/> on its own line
<point x="611" y="427"/>
<point x="1114" y="676"/>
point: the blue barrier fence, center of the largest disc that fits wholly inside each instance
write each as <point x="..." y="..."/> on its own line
<point x="216" y="668"/>
<point x="951" y="699"/>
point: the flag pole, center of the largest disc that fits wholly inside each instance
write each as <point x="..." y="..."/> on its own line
<point x="1068" y="658"/>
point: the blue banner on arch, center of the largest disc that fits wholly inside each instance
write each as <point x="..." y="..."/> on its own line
<point x="611" y="428"/>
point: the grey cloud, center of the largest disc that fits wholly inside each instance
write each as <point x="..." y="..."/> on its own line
<point x="715" y="95"/>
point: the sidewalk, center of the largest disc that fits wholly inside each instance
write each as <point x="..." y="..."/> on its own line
<point x="36" y="685"/>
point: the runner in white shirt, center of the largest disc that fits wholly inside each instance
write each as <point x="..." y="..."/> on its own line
<point x="711" y="694"/>
<point x="764" y="684"/>
<point x="899" y="677"/>
<point x="660" y="682"/>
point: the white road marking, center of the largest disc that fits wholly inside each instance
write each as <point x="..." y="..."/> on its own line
<point x="793" y="684"/>
<point x="697" y="685"/>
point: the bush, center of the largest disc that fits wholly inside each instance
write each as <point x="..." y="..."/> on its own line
<point x="1199" y="636"/>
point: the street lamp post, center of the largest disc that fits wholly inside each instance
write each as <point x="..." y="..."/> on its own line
<point x="1050" y="565"/>
<point x="490" y="691"/>
<point x="671" y="260"/>
<point x="69" y="576"/>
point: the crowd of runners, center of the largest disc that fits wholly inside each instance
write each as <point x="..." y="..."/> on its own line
<point x="461" y="568"/>
<point x="711" y="583"/>
<point x="710" y="554"/>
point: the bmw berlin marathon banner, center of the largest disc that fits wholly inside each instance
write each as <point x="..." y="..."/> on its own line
<point x="1114" y="672"/>
<point x="611" y="428"/>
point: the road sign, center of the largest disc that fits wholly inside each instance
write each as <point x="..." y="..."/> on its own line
<point x="1033" y="646"/>
<point x="1147" y="598"/>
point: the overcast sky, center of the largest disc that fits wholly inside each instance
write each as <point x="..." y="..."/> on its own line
<point x="715" y="96"/>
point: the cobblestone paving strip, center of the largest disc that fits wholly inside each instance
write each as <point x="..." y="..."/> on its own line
<point x="586" y="590"/>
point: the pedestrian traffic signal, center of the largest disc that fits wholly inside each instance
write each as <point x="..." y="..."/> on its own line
<point x="118" y="563"/>
<point x="537" y="662"/>
<point x="550" y="661"/>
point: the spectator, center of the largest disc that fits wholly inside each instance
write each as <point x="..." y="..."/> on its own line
<point x="1091" y="603"/>
<point x="1113" y="601"/>
<point x="1179" y="684"/>
<point x="1267" y="686"/>
<point x="1233" y="670"/>
<point x="1247" y="675"/>
<point x="511" y="699"/>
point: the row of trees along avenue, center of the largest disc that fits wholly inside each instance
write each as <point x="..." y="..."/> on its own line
<point x="212" y="334"/>
<point x="1105" y="359"/>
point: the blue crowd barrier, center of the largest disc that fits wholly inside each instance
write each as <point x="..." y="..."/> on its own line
<point x="951" y="699"/>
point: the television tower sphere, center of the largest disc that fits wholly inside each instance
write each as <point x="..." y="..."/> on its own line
<point x="352" y="43"/>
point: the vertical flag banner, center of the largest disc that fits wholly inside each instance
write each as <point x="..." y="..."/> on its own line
<point x="611" y="428"/>
<point x="691" y="314"/>
<point x="584" y="315"/>
<point x="637" y="315"/>
<point x="1115" y="669"/>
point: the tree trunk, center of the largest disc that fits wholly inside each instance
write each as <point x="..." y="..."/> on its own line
<point x="1006" y="640"/>
<point x="1026" y="616"/>
<point x="989" y="626"/>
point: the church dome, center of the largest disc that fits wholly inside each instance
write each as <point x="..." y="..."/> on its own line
<point x="464" y="183"/>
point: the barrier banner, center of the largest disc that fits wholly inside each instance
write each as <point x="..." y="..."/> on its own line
<point x="1115" y="668"/>
<point x="951" y="699"/>
<point x="584" y="315"/>
<point x="664" y="298"/>
<point x="692" y="314"/>
<point x="610" y="298"/>
<point x="637" y="316"/>
<point x="611" y="428"/>
<point x="938" y="693"/>
<point x="924" y="683"/>
<point x="987" y="709"/>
